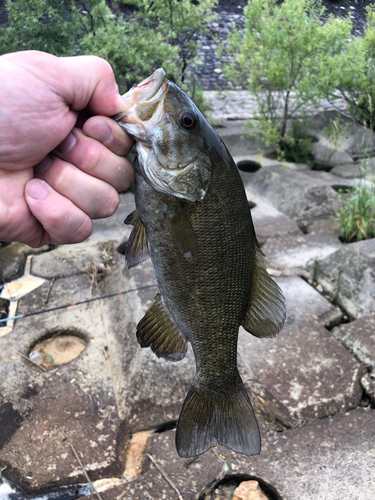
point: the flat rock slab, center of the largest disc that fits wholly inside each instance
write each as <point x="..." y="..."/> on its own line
<point x="268" y="221"/>
<point x="295" y="193"/>
<point x="299" y="255"/>
<point x="301" y="375"/>
<point x="70" y="260"/>
<point x="303" y="302"/>
<point x="47" y="411"/>
<point x="333" y="459"/>
<point x="348" y="171"/>
<point x="359" y="337"/>
<point x="348" y="275"/>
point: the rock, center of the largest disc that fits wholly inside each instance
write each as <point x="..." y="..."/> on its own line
<point x="71" y="403"/>
<point x="301" y="375"/>
<point x="69" y="260"/>
<point x="236" y="137"/>
<point x="302" y="197"/>
<point x="268" y="221"/>
<point x="13" y="258"/>
<point x="249" y="490"/>
<point x="327" y="156"/>
<point x="359" y="337"/>
<point x="304" y="303"/>
<point x="348" y="275"/>
<point x="299" y="255"/>
<point x="368" y="384"/>
<point x="329" y="459"/>
<point x="353" y="139"/>
<point x="348" y="171"/>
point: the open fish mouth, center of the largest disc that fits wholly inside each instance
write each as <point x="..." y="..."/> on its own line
<point x="143" y="100"/>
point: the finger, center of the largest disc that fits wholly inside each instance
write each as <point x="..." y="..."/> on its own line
<point x="92" y="84"/>
<point x="95" y="159"/>
<point x="109" y="133"/>
<point x="93" y="196"/>
<point x="62" y="221"/>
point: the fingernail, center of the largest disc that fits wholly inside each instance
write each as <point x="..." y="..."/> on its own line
<point x="43" y="166"/>
<point x="101" y="131"/>
<point x="37" y="189"/>
<point x="66" y="145"/>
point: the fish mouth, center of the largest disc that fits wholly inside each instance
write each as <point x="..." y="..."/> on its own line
<point x="143" y="99"/>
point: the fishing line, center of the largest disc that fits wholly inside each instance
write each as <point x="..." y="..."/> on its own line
<point x="78" y="303"/>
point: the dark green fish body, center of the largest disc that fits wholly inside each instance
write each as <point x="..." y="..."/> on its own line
<point x="210" y="273"/>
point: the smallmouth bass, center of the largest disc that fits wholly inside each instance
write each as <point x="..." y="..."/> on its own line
<point x="194" y="220"/>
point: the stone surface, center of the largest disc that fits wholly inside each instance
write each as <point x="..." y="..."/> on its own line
<point x="13" y="258"/>
<point x="47" y="411"/>
<point x="348" y="171"/>
<point x="69" y="260"/>
<point x="268" y="221"/>
<point x="299" y="255"/>
<point x="294" y="193"/>
<point x="348" y="275"/>
<point x="303" y="374"/>
<point x="359" y="337"/>
<point x="332" y="459"/>
<point x="303" y="302"/>
<point x="368" y="384"/>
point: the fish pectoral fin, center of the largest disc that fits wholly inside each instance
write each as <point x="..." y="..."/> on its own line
<point x="184" y="235"/>
<point x="137" y="249"/>
<point x="266" y="313"/>
<point x="208" y="421"/>
<point x="158" y="331"/>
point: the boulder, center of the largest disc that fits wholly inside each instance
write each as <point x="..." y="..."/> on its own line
<point x="295" y="193"/>
<point x="359" y="337"/>
<point x="348" y="275"/>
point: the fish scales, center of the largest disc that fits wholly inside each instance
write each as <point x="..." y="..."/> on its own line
<point x="193" y="218"/>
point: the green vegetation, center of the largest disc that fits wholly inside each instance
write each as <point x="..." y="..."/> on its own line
<point x="356" y="216"/>
<point x="353" y="74"/>
<point x="161" y="33"/>
<point x="280" y="57"/>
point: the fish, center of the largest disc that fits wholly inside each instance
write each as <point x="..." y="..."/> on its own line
<point x="193" y="219"/>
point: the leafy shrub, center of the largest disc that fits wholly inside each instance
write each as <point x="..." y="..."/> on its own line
<point x="356" y="216"/>
<point x="162" y="33"/>
<point x="280" y="57"/>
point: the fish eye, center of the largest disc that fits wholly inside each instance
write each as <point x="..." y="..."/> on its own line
<point x="187" y="120"/>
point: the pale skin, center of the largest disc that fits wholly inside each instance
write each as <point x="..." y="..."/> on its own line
<point x="55" y="177"/>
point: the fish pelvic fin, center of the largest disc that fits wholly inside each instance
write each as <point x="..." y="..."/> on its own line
<point x="158" y="331"/>
<point x="266" y="312"/>
<point x="137" y="249"/>
<point x="207" y="420"/>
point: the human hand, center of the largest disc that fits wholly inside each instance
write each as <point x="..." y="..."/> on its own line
<point x="54" y="177"/>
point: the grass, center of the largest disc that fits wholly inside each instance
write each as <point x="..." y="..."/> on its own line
<point x="356" y="216"/>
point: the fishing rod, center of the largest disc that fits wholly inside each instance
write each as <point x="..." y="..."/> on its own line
<point x="77" y="303"/>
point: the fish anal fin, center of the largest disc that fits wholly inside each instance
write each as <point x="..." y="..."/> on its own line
<point x="207" y="421"/>
<point x="137" y="249"/>
<point x="158" y="331"/>
<point x="266" y="312"/>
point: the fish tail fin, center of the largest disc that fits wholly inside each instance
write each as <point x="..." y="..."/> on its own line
<point x="207" y="420"/>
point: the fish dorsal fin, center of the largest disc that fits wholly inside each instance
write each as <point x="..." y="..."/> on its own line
<point x="137" y="249"/>
<point x="266" y="313"/>
<point x="158" y="331"/>
<point x="183" y="234"/>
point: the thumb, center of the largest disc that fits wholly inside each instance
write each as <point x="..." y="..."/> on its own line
<point x="91" y="84"/>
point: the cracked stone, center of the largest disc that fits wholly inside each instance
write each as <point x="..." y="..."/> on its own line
<point x="359" y="337"/>
<point x="301" y="375"/>
<point x="348" y="275"/>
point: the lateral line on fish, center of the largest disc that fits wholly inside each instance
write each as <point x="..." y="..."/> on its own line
<point x="34" y="313"/>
